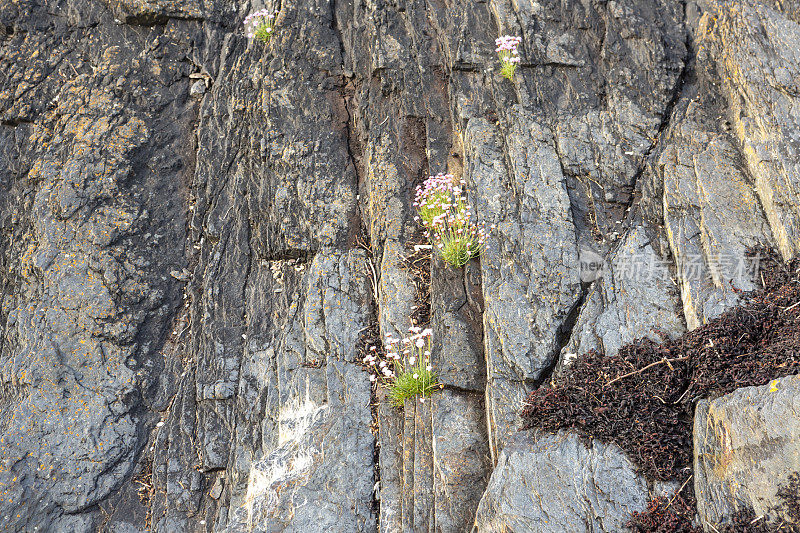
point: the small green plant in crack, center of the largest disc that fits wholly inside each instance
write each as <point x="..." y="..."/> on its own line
<point x="406" y="368"/>
<point x="260" y="25"/>
<point x="443" y="210"/>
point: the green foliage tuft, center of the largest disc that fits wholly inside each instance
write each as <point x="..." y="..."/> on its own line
<point x="508" y="69"/>
<point x="458" y="251"/>
<point x="405" y="367"/>
<point x="407" y="386"/>
<point x="264" y="31"/>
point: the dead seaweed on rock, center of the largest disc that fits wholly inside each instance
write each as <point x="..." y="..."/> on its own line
<point x="642" y="413"/>
<point x="643" y="398"/>
<point x="676" y="514"/>
<point x="668" y="514"/>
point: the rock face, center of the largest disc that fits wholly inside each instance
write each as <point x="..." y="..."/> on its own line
<point x="746" y="447"/>
<point x="597" y="487"/>
<point x="198" y="230"/>
<point x="745" y="42"/>
<point x="634" y="298"/>
<point x="320" y="475"/>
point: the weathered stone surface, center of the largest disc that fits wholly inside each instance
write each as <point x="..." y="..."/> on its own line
<point x="711" y="212"/>
<point x="151" y="12"/>
<point x="390" y="460"/>
<point x="416" y="469"/>
<point x="461" y="461"/>
<point x="457" y="313"/>
<point x="757" y="52"/>
<point x="746" y="445"/>
<point x="587" y="81"/>
<point x="528" y="299"/>
<point x="555" y="483"/>
<point x="320" y="476"/>
<point x="460" y="436"/>
<point x="558" y="168"/>
<point x="635" y="298"/>
<point x="92" y="220"/>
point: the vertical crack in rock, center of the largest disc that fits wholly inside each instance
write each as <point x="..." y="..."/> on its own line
<point x="461" y="463"/>
<point x="563" y="337"/>
<point x="666" y="117"/>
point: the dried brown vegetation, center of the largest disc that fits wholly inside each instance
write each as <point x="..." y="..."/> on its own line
<point x="643" y="398"/>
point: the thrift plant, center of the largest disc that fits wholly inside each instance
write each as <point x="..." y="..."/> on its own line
<point x="509" y="55"/>
<point x="259" y="25"/>
<point x="447" y="218"/>
<point x="406" y="369"/>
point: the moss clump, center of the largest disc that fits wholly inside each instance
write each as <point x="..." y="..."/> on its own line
<point x="668" y="515"/>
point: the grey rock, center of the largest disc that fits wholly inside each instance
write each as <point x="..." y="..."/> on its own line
<point x="86" y="305"/>
<point x="198" y="89"/>
<point x="711" y="212"/>
<point x="216" y="489"/>
<point x="320" y="476"/>
<point x="417" y="498"/>
<point x="390" y="460"/>
<point x="527" y="211"/>
<point x="746" y="445"/>
<point x="555" y="483"/>
<point x="757" y="51"/>
<point x="461" y="461"/>
<point x="264" y="195"/>
<point x="457" y="309"/>
<point x="396" y="290"/>
<point x="149" y="12"/>
<point x="635" y="298"/>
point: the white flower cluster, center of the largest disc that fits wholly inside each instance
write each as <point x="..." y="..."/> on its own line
<point x="406" y="366"/>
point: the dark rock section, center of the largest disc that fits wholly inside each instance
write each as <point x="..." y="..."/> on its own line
<point x="281" y="293"/>
<point x="98" y="138"/>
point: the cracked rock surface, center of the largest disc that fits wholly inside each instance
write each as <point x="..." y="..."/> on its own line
<point x="598" y="488"/>
<point x="198" y="231"/>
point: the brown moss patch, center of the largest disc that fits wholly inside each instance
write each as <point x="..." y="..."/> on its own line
<point x="677" y="514"/>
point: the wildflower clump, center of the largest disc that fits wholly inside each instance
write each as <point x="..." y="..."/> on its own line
<point x="259" y="25"/>
<point x="509" y="55"/>
<point x="447" y="218"/>
<point x="406" y="367"/>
